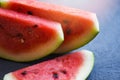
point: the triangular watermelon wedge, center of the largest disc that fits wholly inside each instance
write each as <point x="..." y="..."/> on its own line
<point x="72" y="66"/>
<point x="26" y="38"/>
<point x="79" y="26"/>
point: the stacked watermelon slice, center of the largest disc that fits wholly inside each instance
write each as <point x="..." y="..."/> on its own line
<point x="30" y="30"/>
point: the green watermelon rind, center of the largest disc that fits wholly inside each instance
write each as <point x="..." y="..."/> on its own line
<point x="88" y="66"/>
<point x="85" y="41"/>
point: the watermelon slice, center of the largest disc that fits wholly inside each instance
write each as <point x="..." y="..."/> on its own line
<point x="74" y="66"/>
<point x="24" y="37"/>
<point x="79" y="27"/>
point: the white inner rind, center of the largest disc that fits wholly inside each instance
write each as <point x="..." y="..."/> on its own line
<point x="87" y="66"/>
<point x="96" y="23"/>
<point x="9" y="76"/>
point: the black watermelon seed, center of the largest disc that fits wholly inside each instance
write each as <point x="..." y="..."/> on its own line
<point x="24" y="73"/>
<point x="19" y="35"/>
<point x="29" y="12"/>
<point x="68" y="31"/>
<point x="55" y="75"/>
<point x="35" y="26"/>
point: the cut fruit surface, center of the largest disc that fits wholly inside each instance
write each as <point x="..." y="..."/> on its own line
<point x="79" y="26"/>
<point x="25" y="38"/>
<point x="72" y="66"/>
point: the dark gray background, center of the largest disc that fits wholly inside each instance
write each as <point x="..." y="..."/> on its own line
<point x="106" y="46"/>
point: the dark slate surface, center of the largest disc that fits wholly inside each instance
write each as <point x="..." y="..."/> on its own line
<point x="106" y="46"/>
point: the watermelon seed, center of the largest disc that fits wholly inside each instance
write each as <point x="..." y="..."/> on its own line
<point x="55" y="75"/>
<point x="24" y="73"/>
<point x="68" y="31"/>
<point x="64" y="71"/>
<point x="29" y="12"/>
<point x="35" y="26"/>
<point x="20" y="35"/>
<point x="65" y="21"/>
<point x="22" y="40"/>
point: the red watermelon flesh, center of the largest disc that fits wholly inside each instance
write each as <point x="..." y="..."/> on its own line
<point x="24" y="37"/>
<point x="79" y="26"/>
<point x="73" y="66"/>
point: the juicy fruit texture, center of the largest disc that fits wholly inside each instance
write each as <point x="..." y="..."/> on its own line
<point x="74" y="66"/>
<point x="79" y="27"/>
<point x="25" y="38"/>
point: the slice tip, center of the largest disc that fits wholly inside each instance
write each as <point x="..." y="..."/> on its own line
<point x="9" y="76"/>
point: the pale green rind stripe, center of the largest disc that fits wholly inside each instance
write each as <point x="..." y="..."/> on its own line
<point x="3" y="3"/>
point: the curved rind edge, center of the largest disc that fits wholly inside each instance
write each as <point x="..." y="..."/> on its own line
<point x="87" y="67"/>
<point x="84" y="40"/>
